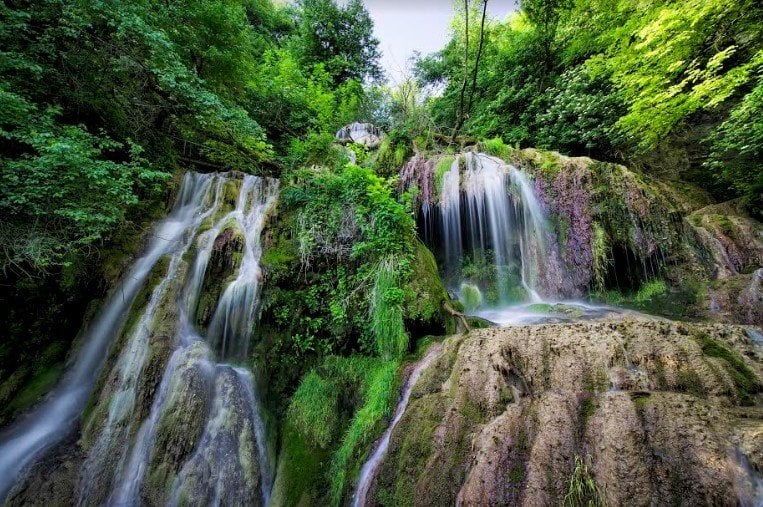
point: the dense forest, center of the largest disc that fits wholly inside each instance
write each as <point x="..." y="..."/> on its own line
<point x="105" y="105"/>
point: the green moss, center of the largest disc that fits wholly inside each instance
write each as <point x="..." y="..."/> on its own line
<point x="337" y="412"/>
<point x="745" y="380"/>
<point x="300" y="469"/>
<point x="689" y="381"/>
<point x="279" y="258"/>
<point x="410" y="450"/>
<point x="230" y="193"/>
<point x="496" y="147"/>
<point x="42" y="382"/>
<point x="365" y="427"/>
<point x="314" y="409"/>
<point x="425" y="294"/>
<point x="472" y="297"/>
<point x="640" y="399"/>
<point x="473" y="410"/>
<point x="443" y="165"/>
<point x="158" y="273"/>
<point x="478" y="323"/>
<point x="587" y="408"/>
<point x="650" y="289"/>
<point x="723" y="223"/>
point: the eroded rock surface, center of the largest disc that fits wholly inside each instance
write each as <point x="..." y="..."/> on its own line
<point x="653" y="412"/>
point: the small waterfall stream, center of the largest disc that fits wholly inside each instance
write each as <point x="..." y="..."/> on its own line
<point x="130" y="444"/>
<point x="368" y="472"/>
<point x="56" y="416"/>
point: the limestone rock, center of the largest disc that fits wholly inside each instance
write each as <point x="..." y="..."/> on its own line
<point x="364" y="134"/>
<point x="652" y="409"/>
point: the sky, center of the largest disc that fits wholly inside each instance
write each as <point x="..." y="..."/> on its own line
<point x="406" y="26"/>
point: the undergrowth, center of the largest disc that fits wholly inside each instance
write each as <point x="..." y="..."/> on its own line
<point x="582" y="489"/>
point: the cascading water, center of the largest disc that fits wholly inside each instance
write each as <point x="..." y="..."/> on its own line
<point x="132" y="446"/>
<point x="56" y="417"/>
<point x="492" y="232"/>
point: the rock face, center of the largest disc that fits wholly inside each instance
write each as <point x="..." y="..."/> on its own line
<point x="733" y="247"/>
<point x="635" y="411"/>
<point x="364" y="134"/>
<point x="609" y="228"/>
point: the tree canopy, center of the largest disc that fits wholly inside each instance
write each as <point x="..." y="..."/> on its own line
<point x="619" y="81"/>
<point x="101" y="101"/>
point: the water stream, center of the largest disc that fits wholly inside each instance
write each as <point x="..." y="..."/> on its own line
<point x="368" y="472"/>
<point x="201" y="365"/>
<point x="56" y="416"/>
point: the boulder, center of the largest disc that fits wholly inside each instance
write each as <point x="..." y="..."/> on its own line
<point x="364" y="134"/>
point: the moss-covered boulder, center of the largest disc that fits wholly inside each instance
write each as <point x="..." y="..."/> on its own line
<point x="426" y="297"/>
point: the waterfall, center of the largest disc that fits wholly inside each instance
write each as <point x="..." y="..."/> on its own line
<point x="124" y="441"/>
<point x="450" y="215"/>
<point x="368" y="472"/>
<point x="492" y="230"/>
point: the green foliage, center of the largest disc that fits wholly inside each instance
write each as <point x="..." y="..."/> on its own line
<point x="387" y="311"/>
<point x="496" y="147"/>
<point x="64" y="190"/>
<point x="579" y="113"/>
<point x="366" y="425"/>
<point x="618" y="81"/>
<point x="667" y="72"/>
<point x="582" y="489"/>
<point x="340" y="38"/>
<point x="737" y="149"/>
<point x="314" y="409"/>
<point x="339" y="408"/>
<point x="650" y="289"/>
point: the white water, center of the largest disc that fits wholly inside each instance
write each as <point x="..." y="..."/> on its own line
<point x="450" y="214"/>
<point x="55" y="417"/>
<point x="491" y="213"/>
<point x="368" y="472"/>
<point x="234" y="404"/>
<point x="119" y="459"/>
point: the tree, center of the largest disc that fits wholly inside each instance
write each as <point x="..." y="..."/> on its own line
<point x="545" y="14"/>
<point x="737" y="149"/>
<point x="339" y="38"/>
<point x="464" y="107"/>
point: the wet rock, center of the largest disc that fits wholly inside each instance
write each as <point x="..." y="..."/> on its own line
<point x="51" y="481"/>
<point x="511" y="416"/>
<point x="224" y="260"/>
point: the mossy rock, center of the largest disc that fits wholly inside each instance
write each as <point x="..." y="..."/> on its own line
<point x="746" y="381"/>
<point x="96" y="409"/>
<point x="224" y="261"/>
<point x="425" y="296"/>
<point x="410" y="449"/>
<point x="300" y="467"/>
<point x="179" y="428"/>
